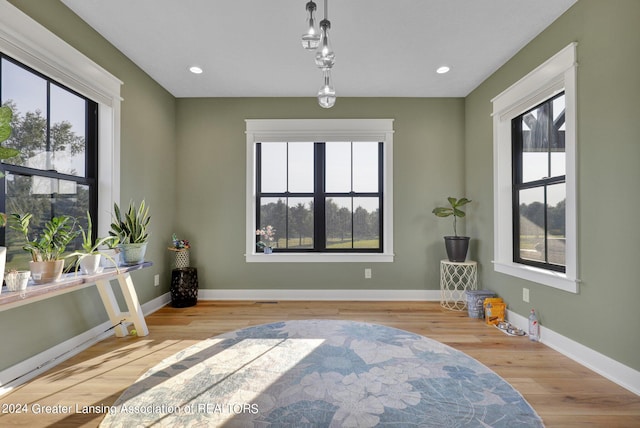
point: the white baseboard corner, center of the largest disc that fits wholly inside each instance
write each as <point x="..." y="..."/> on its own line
<point x="607" y="367"/>
<point x="28" y="369"/>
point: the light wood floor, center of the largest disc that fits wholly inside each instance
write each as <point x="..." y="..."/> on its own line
<point x="564" y="393"/>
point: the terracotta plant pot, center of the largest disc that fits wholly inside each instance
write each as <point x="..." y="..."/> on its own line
<point x="43" y="272"/>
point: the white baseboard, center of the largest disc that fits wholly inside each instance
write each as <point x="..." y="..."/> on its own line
<point x="338" y="295"/>
<point x="155" y="304"/>
<point x="28" y="369"/>
<point x="616" y="372"/>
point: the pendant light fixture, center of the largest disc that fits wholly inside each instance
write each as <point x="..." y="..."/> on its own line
<point x="327" y="94"/>
<point x="311" y="39"/>
<point x="325" y="58"/>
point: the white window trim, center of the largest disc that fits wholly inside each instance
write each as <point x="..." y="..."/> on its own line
<point x="25" y="40"/>
<point x="261" y="130"/>
<point x="557" y="74"/>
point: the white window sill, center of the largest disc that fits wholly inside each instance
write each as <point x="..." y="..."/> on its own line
<point x="553" y="279"/>
<point x="319" y="258"/>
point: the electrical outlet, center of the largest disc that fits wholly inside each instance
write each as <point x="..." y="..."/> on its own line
<point x="156" y="280"/>
<point x="367" y="273"/>
<point x="525" y="295"/>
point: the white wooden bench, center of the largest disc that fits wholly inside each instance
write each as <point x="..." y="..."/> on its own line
<point x="72" y="282"/>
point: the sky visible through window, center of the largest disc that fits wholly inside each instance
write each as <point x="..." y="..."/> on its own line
<point x="290" y="167"/>
<point x="28" y="94"/>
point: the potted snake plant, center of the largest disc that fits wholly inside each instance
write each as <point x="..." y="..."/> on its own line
<point x="47" y="249"/>
<point x="131" y="230"/>
<point x="456" y="246"/>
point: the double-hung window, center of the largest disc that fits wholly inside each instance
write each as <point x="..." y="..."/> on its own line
<point x="539" y="185"/>
<point x="535" y="221"/>
<point x="321" y="196"/>
<point x="321" y="188"/>
<point x="64" y="104"/>
<point x="55" y="131"/>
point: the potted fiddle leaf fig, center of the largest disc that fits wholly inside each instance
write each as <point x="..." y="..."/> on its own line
<point x="456" y="246"/>
<point x="131" y="229"/>
<point x="88" y="259"/>
<point x="47" y="261"/>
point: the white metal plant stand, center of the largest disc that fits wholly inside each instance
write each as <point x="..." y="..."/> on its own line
<point x="455" y="279"/>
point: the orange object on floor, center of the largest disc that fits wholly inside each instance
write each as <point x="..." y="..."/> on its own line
<point x="494" y="309"/>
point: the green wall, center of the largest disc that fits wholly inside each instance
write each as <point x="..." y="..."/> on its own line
<point x="147" y="171"/>
<point x="210" y="198"/>
<point x="605" y="315"/>
<point x="186" y="157"/>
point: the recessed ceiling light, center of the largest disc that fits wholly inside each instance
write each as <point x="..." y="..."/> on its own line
<point x="195" y="70"/>
<point x="443" y="69"/>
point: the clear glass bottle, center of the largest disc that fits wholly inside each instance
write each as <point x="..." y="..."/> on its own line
<point x="534" y="327"/>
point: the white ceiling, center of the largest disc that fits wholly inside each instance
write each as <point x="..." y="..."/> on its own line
<point x="383" y="47"/>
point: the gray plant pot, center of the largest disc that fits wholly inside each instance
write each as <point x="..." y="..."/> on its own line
<point x="132" y="254"/>
<point x="457" y="247"/>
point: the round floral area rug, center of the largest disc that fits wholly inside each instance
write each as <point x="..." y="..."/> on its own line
<point x="321" y="373"/>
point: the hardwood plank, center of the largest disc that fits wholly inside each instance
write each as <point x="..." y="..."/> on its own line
<point x="564" y="393"/>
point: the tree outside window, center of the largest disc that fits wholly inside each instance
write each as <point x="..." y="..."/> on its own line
<point x="55" y="130"/>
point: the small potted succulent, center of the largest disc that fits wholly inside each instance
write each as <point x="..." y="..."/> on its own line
<point x="17" y="280"/>
<point x="456" y="246"/>
<point x="180" y="248"/>
<point x="47" y="261"/>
